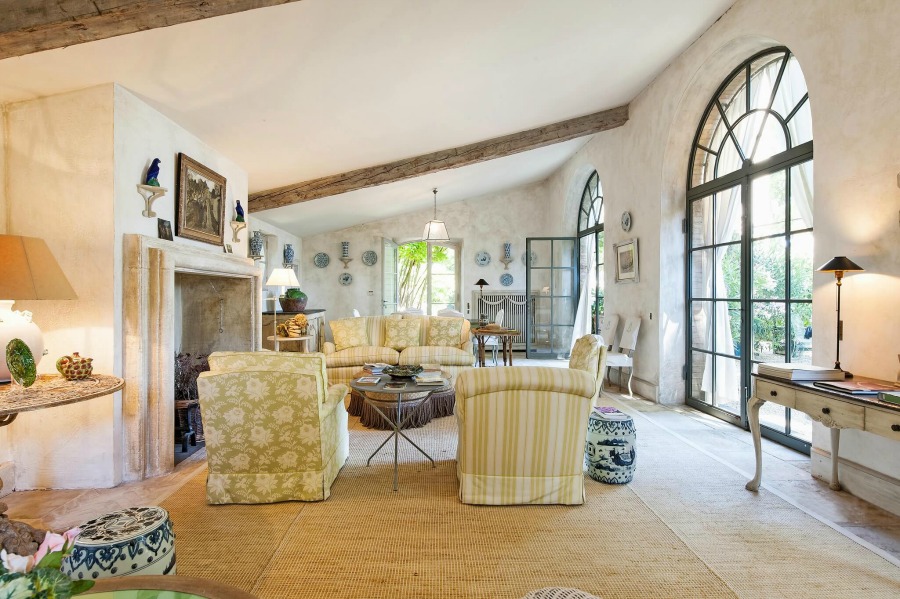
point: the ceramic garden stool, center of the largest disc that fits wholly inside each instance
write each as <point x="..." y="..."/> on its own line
<point x="136" y="540"/>
<point x="609" y="451"/>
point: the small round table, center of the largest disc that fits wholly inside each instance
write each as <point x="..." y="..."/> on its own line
<point x="381" y="396"/>
<point x="52" y="390"/>
<point x="439" y="404"/>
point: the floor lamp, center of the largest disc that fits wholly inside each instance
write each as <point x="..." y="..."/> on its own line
<point x="280" y="277"/>
<point x="839" y="265"/>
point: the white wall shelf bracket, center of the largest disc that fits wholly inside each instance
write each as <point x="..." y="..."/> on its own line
<point x="150" y="193"/>
<point x="236" y="227"/>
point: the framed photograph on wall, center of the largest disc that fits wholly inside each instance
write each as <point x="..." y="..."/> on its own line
<point x="164" y="228"/>
<point x="200" y="208"/>
<point x="627" y="261"/>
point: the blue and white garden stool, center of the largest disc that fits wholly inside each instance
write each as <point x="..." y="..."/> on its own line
<point x="609" y="451"/>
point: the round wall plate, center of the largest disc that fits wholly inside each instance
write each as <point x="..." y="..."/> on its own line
<point x="369" y="258"/>
<point x="506" y="279"/>
<point x="346" y="278"/>
<point x="482" y="258"/>
<point x="525" y="258"/>
<point x="626" y="221"/>
<point x="321" y="259"/>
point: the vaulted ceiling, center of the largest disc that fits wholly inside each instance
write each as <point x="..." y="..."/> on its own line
<point x="319" y="87"/>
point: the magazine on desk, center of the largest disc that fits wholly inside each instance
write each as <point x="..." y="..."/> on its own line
<point x="856" y="387"/>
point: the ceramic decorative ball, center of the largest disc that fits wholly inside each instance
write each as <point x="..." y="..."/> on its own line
<point x="136" y="540"/>
<point x="609" y="453"/>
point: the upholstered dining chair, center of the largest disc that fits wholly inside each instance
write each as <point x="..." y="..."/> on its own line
<point x="275" y="431"/>
<point x="522" y="429"/>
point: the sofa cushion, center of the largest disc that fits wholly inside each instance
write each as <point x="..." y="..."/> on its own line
<point x="444" y="331"/>
<point x="349" y="332"/>
<point x="358" y="356"/>
<point x="436" y="354"/>
<point x="400" y="334"/>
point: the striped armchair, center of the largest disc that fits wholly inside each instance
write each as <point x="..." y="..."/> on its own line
<point x="275" y="431"/>
<point x="522" y="429"/>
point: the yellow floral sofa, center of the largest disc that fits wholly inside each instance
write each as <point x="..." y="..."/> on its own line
<point x="275" y="430"/>
<point x="397" y="339"/>
<point x="522" y="429"/>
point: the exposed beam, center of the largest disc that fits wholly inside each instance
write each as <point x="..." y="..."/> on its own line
<point x="30" y="26"/>
<point x="439" y="161"/>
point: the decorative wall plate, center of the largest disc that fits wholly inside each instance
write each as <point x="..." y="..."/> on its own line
<point x="321" y="259"/>
<point x="482" y="258"/>
<point x="626" y="221"/>
<point x="525" y="258"/>
<point x="506" y="279"/>
<point x="346" y="278"/>
<point x="369" y="258"/>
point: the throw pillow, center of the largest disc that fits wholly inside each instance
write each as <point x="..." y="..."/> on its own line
<point x="445" y="331"/>
<point x="349" y="332"/>
<point x="401" y="333"/>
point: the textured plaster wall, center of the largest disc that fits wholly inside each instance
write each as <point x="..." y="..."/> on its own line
<point x="848" y="52"/>
<point x="483" y="223"/>
<point x="275" y="239"/>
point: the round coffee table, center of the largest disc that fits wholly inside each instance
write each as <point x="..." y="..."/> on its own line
<point x="439" y="404"/>
<point x="389" y="397"/>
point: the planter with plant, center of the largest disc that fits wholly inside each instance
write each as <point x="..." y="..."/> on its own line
<point x="293" y="300"/>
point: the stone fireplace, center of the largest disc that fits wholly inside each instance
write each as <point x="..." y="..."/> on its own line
<point x="176" y="298"/>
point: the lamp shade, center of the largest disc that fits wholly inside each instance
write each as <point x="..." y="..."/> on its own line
<point x="28" y="271"/>
<point x="435" y="230"/>
<point x="282" y="277"/>
<point x="481" y="282"/>
<point x="840" y="264"/>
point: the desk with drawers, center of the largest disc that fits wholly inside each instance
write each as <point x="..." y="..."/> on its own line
<point x="834" y="409"/>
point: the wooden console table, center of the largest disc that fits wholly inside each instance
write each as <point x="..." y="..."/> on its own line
<point x="834" y="409"/>
<point x="52" y="390"/>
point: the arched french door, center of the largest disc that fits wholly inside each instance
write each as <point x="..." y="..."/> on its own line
<point x="749" y="238"/>
<point x="591" y="243"/>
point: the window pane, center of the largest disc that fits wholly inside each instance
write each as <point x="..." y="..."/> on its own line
<point x="734" y="99"/>
<point x="728" y="328"/>
<point x="800" y="125"/>
<point x="728" y="273"/>
<point x="802" y="196"/>
<point x="768" y="208"/>
<point x="772" y="415"/>
<point x="771" y="141"/>
<point x="701" y="323"/>
<point x="801" y="426"/>
<point x="701" y="273"/>
<point x="728" y="215"/>
<point x="801" y="265"/>
<point x="728" y="385"/>
<point x="764" y="72"/>
<point x="768" y="269"/>
<point x="702" y="169"/>
<point x="729" y="159"/>
<point x="768" y="331"/>
<point x="801" y="333"/>
<point x="701" y="222"/>
<point x="700" y="363"/>
<point x="791" y="89"/>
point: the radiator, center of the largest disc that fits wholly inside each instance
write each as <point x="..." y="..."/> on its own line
<point x="515" y="311"/>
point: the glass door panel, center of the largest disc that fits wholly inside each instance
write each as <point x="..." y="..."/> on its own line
<point x="443" y="288"/>
<point x="551" y="282"/>
<point x="389" y="283"/>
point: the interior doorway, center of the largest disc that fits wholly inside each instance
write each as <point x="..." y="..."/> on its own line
<point x="428" y="276"/>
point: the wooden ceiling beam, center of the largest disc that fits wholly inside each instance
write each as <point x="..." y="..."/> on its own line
<point x="36" y="25"/>
<point x="439" y="161"/>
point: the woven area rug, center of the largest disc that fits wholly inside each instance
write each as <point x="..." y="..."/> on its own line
<point x="684" y="528"/>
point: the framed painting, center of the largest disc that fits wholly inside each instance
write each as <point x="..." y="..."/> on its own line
<point x="200" y="208"/>
<point x="627" y="261"/>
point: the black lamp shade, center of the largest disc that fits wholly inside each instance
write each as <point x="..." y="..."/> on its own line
<point x="840" y="264"/>
<point x="481" y="282"/>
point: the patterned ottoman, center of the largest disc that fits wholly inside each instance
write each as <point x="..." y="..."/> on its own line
<point x="136" y="540"/>
<point x="609" y="452"/>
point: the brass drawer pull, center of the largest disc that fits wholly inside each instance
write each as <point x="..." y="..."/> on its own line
<point x="826" y="410"/>
<point x="895" y="427"/>
<point x="773" y="393"/>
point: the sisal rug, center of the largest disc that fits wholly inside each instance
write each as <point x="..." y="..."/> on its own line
<point x="684" y="528"/>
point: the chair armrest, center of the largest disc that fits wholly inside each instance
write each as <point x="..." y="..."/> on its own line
<point x="481" y="381"/>
<point x="468" y="346"/>
<point x="328" y="348"/>
<point x="334" y="396"/>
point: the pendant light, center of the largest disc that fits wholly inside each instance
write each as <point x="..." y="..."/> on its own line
<point x="435" y="230"/>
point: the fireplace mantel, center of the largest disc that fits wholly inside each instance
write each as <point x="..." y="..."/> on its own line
<point x="148" y="402"/>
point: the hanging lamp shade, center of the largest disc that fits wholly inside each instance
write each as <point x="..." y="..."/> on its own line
<point x="435" y="230"/>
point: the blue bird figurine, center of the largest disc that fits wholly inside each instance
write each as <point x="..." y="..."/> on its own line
<point x="239" y="210"/>
<point x="152" y="174"/>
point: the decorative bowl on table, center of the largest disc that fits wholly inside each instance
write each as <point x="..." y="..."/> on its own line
<point x="402" y="372"/>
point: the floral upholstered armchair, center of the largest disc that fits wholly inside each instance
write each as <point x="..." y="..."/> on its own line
<point x="274" y="429"/>
<point x="522" y="429"/>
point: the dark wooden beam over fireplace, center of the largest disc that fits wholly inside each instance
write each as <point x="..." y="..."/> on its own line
<point x="407" y="168"/>
<point x="30" y="26"/>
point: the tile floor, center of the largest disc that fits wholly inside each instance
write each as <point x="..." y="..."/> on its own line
<point x="785" y="472"/>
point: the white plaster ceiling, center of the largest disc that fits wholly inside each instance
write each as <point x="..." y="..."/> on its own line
<point x="319" y="87"/>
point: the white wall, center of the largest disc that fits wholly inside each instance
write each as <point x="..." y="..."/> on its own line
<point x="848" y="53"/>
<point x="275" y="239"/>
<point x="483" y="223"/>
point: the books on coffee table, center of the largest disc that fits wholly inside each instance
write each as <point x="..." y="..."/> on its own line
<point x="799" y="372"/>
<point x="429" y="377"/>
<point x="368" y="380"/>
<point x="374" y="368"/>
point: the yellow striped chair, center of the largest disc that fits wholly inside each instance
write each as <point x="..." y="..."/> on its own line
<point x="275" y="431"/>
<point x="522" y="429"/>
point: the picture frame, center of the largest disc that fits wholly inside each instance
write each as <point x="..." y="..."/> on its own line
<point x="627" y="259"/>
<point x="200" y="204"/>
<point x="164" y="229"/>
<point x="228" y="249"/>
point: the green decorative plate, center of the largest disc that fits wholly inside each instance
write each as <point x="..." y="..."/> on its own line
<point x="21" y="363"/>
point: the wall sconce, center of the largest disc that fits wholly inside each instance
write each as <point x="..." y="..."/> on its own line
<point x="345" y="253"/>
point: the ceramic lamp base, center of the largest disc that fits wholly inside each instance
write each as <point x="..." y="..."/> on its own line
<point x="18" y="325"/>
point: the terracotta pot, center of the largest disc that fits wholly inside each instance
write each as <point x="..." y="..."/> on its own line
<point x="292" y="305"/>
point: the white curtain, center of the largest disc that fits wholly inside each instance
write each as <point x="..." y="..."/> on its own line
<point x="583" y="317"/>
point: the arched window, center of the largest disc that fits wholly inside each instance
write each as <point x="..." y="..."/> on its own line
<point x="590" y="237"/>
<point x="750" y="239"/>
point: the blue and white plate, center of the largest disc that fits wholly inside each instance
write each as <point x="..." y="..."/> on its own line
<point x="321" y="259"/>
<point x="346" y="278"/>
<point x="506" y="279"/>
<point x="369" y="258"/>
<point x="525" y="259"/>
<point x="482" y="258"/>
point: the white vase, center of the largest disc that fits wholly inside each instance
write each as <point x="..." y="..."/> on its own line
<point x="17" y="325"/>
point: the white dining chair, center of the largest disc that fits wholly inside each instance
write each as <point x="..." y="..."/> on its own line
<point x="608" y="330"/>
<point x="356" y="313"/>
<point x="624" y="358"/>
<point x="493" y="343"/>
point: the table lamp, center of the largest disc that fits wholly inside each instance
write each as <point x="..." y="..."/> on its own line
<point x="28" y="271"/>
<point x="839" y="265"/>
<point x="481" y="283"/>
<point x="280" y="277"/>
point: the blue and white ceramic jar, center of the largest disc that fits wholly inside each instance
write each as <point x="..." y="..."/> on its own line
<point x="256" y="245"/>
<point x="136" y="540"/>
<point x="288" y="254"/>
<point x="609" y="451"/>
